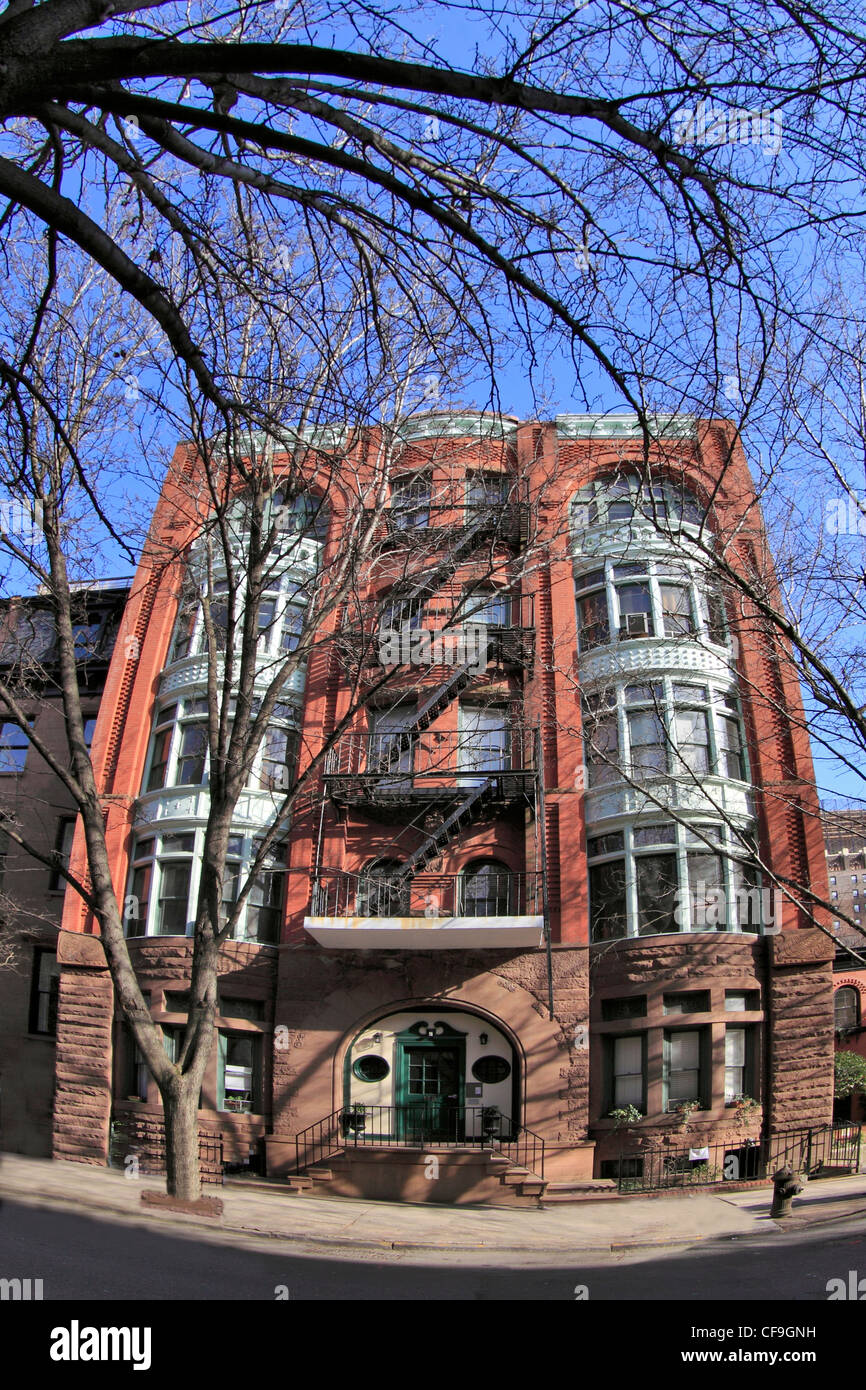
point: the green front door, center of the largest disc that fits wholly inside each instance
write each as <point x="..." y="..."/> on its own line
<point x="430" y="1088"/>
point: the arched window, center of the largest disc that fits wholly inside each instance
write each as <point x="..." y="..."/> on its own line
<point x="382" y="891"/>
<point x="846" y="1008"/>
<point x="488" y="889"/>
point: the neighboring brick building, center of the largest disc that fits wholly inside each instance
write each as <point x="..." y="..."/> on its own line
<point x="480" y="920"/>
<point x="845" y="839"/>
<point x="31" y="893"/>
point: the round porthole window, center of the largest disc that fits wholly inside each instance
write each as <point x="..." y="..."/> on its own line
<point x="489" y="1070"/>
<point x="371" y="1068"/>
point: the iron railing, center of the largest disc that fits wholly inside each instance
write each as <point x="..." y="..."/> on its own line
<point x="414" y="517"/>
<point x="340" y="894"/>
<point x="452" y="758"/>
<point x="144" y="1140"/>
<point x="425" y="1125"/>
<point x="827" y="1148"/>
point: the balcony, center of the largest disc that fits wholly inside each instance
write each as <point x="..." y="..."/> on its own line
<point x="404" y="769"/>
<point x="426" y="911"/>
<point x="419" y="523"/>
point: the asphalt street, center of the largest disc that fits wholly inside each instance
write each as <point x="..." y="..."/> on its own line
<point x="84" y="1258"/>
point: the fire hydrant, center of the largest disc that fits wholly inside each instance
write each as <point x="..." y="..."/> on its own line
<point x="785" y="1188"/>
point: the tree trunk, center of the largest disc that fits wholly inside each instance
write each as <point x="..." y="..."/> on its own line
<point x="183" y="1177"/>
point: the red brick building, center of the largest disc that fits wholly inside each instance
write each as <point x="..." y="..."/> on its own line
<point x="34" y="801"/>
<point x="525" y="894"/>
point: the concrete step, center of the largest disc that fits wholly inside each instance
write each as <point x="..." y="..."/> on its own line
<point x="590" y="1190"/>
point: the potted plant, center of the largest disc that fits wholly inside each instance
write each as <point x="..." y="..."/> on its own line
<point x="624" y="1116"/>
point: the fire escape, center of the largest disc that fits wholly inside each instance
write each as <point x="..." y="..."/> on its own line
<point x="432" y="783"/>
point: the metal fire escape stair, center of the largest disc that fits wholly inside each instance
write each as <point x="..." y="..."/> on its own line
<point x="462" y="816"/>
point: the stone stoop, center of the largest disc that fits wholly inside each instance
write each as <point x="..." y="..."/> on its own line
<point x="587" y="1190"/>
<point x="466" y="1177"/>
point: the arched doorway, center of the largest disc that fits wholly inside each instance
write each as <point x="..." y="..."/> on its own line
<point x="434" y="1073"/>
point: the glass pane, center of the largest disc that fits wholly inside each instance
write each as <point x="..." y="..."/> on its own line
<point x="656" y="876"/>
<point x="487" y="890"/>
<point x="685" y="1050"/>
<point x="643" y="694"/>
<point x="730" y="748"/>
<point x="607" y="900"/>
<point x="592" y="619"/>
<point x="692" y="735"/>
<point x="601" y="746"/>
<point x="735" y="1047"/>
<point x="191" y="759"/>
<point x="589" y="581"/>
<point x="173" y="896"/>
<point x="676" y="610"/>
<point x="654" y="835"/>
<point x="648" y="745"/>
<point x="634" y="598"/>
<point x="706" y="890"/>
<point x="605" y="844"/>
<point x="628" y="1056"/>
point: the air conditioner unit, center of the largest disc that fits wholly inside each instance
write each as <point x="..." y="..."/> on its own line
<point x="635" y="625"/>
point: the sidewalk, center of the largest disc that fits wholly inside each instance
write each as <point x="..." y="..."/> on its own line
<point x="349" y="1228"/>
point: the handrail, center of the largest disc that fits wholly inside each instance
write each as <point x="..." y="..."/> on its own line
<point x="425" y="1125"/>
<point x="339" y="893"/>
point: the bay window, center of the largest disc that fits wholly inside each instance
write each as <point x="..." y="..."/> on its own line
<point x="648" y="598"/>
<point x="164" y="880"/>
<point x="662" y="877"/>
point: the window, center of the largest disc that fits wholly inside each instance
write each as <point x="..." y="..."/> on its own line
<point x="172" y="903"/>
<point x="742" y="1001"/>
<point x="664" y="877"/>
<point x="13" y="749"/>
<point x="593" y="625"/>
<point x="693" y="1002"/>
<point x="382" y="891"/>
<point x="607" y="900"/>
<point x="239" y="1075"/>
<point x="251" y="1009"/>
<point x="647" y="598"/>
<point x="279" y="758"/>
<point x="32" y="639"/>
<point x="44" y="992"/>
<point x="483" y="743"/>
<point x="684" y="1067"/>
<point x="486" y="608"/>
<point x="192" y="754"/>
<point x="739" y="1063"/>
<point x="648" y="744"/>
<point x="487" y="889"/>
<point x="265" y="905"/>
<point x="676" y="610"/>
<point x="614" y="1009"/>
<point x="161" y="747"/>
<point x="410" y="500"/>
<point x="627" y="1084"/>
<point x="846" y="1006"/>
<point x="635" y="610"/>
<point x="62" y="850"/>
<point x="486" y="489"/>
<point x="657" y="884"/>
<point x="692" y="738"/>
<point x="136" y="1073"/>
<point x="622" y="497"/>
<point x="601" y="745"/>
<point x="672" y="728"/>
<point x="89" y="730"/>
